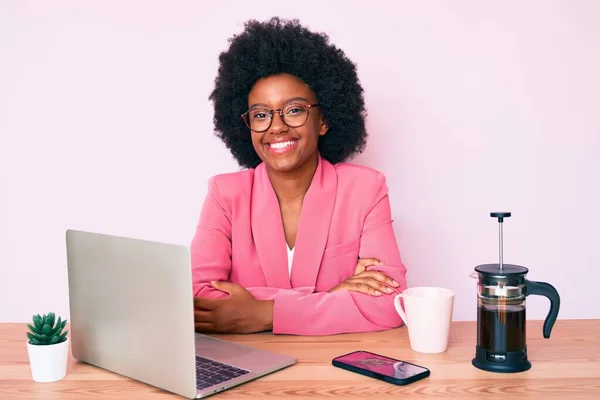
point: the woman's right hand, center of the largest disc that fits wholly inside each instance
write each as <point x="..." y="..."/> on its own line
<point x="374" y="283"/>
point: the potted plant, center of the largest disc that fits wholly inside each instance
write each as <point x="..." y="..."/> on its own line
<point x="47" y="348"/>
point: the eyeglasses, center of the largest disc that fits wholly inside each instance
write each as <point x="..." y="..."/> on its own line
<point x="294" y="116"/>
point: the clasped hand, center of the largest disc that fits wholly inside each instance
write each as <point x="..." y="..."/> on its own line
<point x="374" y="283"/>
<point x="240" y="312"/>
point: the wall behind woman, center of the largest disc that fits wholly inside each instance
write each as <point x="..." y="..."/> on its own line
<point x="473" y="108"/>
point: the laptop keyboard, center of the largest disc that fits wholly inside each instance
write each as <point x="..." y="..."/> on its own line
<point x="209" y="372"/>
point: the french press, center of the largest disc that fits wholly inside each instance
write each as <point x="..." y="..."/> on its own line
<point x="501" y="292"/>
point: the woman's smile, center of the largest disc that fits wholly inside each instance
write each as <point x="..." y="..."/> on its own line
<point x="282" y="145"/>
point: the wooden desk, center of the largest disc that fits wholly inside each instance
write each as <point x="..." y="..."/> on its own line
<point x="566" y="366"/>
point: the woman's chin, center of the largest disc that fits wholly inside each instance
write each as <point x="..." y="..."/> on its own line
<point x="286" y="163"/>
<point x="282" y="165"/>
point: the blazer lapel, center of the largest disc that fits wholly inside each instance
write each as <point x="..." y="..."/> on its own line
<point x="313" y="227"/>
<point x="267" y="230"/>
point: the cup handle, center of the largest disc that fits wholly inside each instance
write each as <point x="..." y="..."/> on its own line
<point x="399" y="308"/>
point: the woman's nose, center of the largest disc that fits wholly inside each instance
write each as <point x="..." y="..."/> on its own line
<point x="277" y="124"/>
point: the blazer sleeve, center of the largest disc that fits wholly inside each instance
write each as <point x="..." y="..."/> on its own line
<point x="302" y="311"/>
<point x="324" y="313"/>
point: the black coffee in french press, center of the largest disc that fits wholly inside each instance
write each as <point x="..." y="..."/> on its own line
<point x="501" y="318"/>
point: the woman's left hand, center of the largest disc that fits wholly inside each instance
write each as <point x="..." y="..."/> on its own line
<point x="240" y="312"/>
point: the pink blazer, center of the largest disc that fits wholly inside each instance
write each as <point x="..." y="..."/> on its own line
<point x="345" y="215"/>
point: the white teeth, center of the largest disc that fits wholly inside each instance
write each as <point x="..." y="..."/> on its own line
<point x="282" y="145"/>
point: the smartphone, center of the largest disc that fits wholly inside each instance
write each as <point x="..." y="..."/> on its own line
<point x="380" y="367"/>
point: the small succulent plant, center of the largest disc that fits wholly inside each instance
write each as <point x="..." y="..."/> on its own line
<point x="44" y="331"/>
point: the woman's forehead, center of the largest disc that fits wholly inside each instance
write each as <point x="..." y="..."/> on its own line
<point x="279" y="89"/>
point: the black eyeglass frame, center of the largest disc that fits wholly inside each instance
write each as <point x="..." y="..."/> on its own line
<point x="280" y="111"/>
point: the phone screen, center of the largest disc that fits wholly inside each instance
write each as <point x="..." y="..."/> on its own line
<point x="381" y="365"/>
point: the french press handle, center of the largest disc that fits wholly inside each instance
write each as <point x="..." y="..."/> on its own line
<point x="546" y="290"/>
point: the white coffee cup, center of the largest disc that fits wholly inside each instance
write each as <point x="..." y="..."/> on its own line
<point x="427" y="314"/>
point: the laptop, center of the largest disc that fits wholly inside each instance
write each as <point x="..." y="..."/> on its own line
<point x="131" y="312"/>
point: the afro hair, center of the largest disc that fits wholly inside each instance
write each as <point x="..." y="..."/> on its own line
<point x="284" y="46"/>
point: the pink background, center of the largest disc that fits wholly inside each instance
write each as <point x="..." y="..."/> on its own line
<point x="473" y="107"/>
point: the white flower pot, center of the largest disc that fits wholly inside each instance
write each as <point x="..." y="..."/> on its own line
<point x="48" y="363"/>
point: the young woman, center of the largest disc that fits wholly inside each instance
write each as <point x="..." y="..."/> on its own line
<point x="299" y="241"/>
